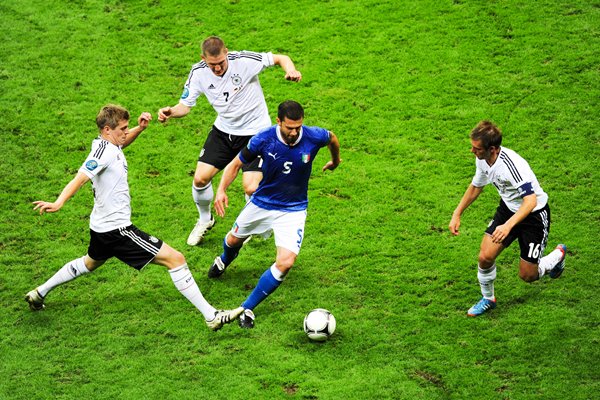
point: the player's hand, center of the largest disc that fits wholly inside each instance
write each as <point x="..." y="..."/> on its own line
<point x="331" y="165"/>
<point x="454" y="225"/>
<point x="221" y="202"/>
<point x="45" y="206"/>
<point x="294" y="76"/>
<point x="164" y="114"/>
<point x="500" y="233"/>
<point x="144" y="119"/>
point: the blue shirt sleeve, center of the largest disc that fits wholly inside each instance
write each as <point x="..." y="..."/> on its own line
<point x="322" y="136"/>
<point x="251" y="151"/>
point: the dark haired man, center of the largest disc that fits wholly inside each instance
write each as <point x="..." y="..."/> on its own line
<point x="279" y="204"/>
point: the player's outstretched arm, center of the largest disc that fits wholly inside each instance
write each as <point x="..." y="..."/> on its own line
<point x="69" y="191"/>
<point x="178" y="111"/>
<point x="143" y="121"/>
<point x="286" y="63"/>
<point x="229" y="174"/>
<point x="469" y="197"/>
<point x="334" y="149"/>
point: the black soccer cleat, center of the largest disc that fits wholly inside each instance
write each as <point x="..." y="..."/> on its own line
<point x="217" y="269"/>
<point x="246" y="320"/>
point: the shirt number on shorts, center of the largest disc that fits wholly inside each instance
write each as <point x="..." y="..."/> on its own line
<point x="534" y="250"/>
<point x="299" y="241"/>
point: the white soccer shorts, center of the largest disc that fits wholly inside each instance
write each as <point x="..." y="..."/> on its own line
<point x="288" y="227"/>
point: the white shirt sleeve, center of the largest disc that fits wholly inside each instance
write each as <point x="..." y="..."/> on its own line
<point x="480" y="179"/>
<point x="97" y="160"/>
<point x="256" y="62"/>
<point x="192" y="89"/>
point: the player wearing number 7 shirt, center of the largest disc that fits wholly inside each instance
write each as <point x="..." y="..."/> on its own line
<point x="229" y="80"/>
<point x="523" y="214"/>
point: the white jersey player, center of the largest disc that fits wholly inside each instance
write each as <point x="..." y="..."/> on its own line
<point x="229" y="81"/>
<point x="523" y="214"/>
<point x="513" y="178"/>
<point x="111" y="232"/>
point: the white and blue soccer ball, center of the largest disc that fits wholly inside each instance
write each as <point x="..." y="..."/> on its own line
<point x="319" y="324"/>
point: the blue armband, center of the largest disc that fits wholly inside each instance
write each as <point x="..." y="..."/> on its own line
<point x="526" y="189"/>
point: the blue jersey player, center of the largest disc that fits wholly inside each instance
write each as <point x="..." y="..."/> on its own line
<point x="279" y="204"/>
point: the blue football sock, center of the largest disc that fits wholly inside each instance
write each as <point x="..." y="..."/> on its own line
<point x="229" y="253"/>
<point x="265" y="286"/>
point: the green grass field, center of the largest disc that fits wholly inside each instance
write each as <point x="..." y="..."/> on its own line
<point x="401" y="83"/>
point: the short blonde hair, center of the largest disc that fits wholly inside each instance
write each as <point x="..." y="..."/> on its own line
<point x="110" y="115"/>
<point x="212" y="46"/>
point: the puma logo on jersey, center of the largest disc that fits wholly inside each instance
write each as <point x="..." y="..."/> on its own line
<point x="273" y="155"/>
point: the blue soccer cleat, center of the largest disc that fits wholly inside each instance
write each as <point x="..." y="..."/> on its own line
<point x="482" y="306"/>
<point x="557" y="270"/>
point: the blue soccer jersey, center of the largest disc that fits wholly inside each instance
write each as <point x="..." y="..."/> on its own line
<point x="286" y="168"/>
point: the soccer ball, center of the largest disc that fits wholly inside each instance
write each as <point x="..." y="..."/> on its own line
<point x="319" y="324"/>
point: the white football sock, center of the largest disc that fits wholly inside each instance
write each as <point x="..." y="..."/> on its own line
<point x="185" y="283"/>
<point x="549" y="261"/>
<point x="486" y="279"/>
<point x="203" y="197"/>
<point x="68" y="272"/>
<point x="277" y="274"/>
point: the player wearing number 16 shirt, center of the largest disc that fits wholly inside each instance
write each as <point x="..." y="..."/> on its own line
<point x="229" y="81"/>
<point x="523" y="214"/>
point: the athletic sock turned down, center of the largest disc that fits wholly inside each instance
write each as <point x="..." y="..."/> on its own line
<point x="486" y="279"/>
<point x="203" y="197"/>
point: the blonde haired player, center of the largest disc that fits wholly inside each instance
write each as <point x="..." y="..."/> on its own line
<point x="523" y="215"/>
<point x="229" y="81"/>
<point x="111" y="232"/>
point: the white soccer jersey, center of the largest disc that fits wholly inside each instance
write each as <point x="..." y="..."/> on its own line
<point x="107" y="168"/>
<point x="513" y="178"/>
<point x="236" y="96"/>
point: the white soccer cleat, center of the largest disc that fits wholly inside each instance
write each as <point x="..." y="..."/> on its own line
<point x="36" y="301"/>
<point x="223" y="317"/>
<point x="199" y="231"/>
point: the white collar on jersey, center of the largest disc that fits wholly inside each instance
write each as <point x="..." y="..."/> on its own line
<point x="278" y="130"/>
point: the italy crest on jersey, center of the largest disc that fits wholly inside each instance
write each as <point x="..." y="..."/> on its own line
<point x="305" y="157"/>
